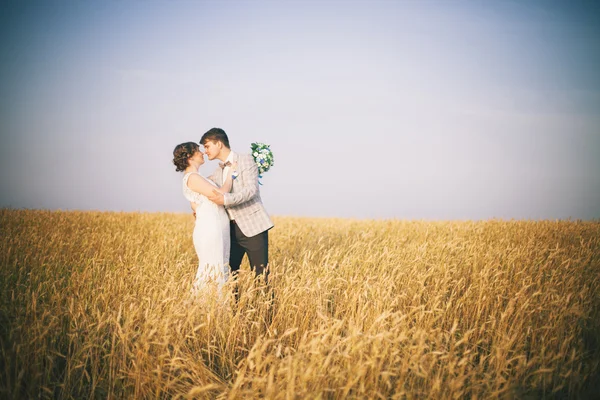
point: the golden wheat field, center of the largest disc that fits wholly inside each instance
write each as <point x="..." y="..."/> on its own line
<point x="98" y="305"/>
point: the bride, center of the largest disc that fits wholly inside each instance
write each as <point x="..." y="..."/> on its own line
<point x="211" y="232"/>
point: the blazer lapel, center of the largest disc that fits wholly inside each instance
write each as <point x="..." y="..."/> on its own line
<point x="235" y="159"/>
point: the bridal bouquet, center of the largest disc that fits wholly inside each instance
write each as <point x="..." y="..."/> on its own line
<point x="263" y="157"/>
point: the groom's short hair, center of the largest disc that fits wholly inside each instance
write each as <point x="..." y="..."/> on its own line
<point x="215" y="134"/>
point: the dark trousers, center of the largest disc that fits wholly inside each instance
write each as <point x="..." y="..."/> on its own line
<point x="257" y="248"/>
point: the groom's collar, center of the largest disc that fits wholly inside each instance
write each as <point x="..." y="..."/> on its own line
<point x="230" y="157"/>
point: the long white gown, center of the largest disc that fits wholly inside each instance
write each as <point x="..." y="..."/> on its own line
<point x="211" y="239"/>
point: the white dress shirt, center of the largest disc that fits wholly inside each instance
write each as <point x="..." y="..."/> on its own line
<point x="226" y="173"/>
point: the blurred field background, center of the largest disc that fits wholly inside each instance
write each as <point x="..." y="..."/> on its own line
<point x="98" y="305"/>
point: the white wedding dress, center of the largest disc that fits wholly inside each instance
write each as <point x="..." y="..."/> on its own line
<point x="211" y="239"/>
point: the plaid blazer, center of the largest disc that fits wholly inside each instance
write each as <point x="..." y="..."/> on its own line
<point x="243" y="203"/>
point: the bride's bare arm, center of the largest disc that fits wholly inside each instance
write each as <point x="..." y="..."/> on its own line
<point x="200" y="185"/>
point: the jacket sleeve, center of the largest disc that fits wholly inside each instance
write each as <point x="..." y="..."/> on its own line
<point x="248" y="177"/>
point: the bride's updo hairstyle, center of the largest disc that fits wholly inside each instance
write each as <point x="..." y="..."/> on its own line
<point x="182" y="153"/>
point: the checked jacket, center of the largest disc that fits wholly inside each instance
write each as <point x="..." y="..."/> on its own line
<point x="243" y="203"/>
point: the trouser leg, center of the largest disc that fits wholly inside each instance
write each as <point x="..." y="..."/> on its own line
<point x="237" y="252"/>
<point x="257" y="248"/>
<point x="236" y="255"/>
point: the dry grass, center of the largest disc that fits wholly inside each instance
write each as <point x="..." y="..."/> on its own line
<point x="98" y="305"/>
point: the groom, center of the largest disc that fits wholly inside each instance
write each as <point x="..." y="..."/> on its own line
<point x="249" y="222"/>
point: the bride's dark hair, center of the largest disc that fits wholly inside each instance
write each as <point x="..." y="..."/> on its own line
<point x="182" y="153"/>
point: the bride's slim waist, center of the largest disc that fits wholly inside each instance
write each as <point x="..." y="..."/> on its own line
<point x="211" y="210"/>
<point x="209" y="205"/>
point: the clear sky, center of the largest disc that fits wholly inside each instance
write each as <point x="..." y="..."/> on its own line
<point x="374" y="109"/>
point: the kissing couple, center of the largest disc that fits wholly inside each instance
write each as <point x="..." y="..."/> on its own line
<point x="230" y="218"/>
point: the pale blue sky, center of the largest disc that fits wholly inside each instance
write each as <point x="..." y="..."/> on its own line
<point x="378" y="109"/>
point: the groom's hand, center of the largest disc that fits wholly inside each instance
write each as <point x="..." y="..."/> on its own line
<point x="217" y="198"/>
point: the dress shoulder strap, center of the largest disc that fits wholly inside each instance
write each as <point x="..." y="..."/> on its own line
<point x="187" y="176"/>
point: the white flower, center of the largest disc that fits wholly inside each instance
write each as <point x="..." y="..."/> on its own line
<point x="263" y="157"/>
